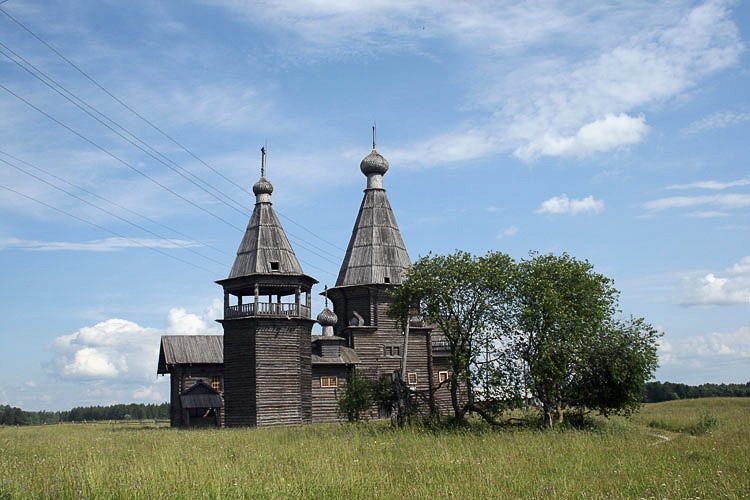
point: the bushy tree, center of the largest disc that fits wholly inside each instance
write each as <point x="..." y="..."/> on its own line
<point x="544" y="328"/>
<point x="356" y="397"/>
<point x="615" y="366"/>
<point x="561" y="304"/>
<point x="465" y="297"/>
<point x="576" y="354"/>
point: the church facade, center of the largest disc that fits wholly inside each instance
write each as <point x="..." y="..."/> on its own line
<point x="268" y="368"/>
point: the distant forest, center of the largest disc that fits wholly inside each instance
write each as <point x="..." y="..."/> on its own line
<point x="16" y="416"/>
<point x="654" y="392"/>
<point x="667" y="391"/>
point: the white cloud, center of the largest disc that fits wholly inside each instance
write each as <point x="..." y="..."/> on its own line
<point x="723" y="201"/>
<point x="123" y="352"/>
<point x="508" y="232"/>
<point x="713" y="185"/>
<point x="112" y="348"/>
<point x="547" y="79"/>
<point x="90" y="362"/>
<point x="562" y="205"/>
<point x="718" y="120"/>
<point x="611" y="132"/>
<point x="733" y="287"/>
<point x="547" y="100"/>
<point x="104" y="245"/>
<point x="455" y="146"/>
<point x="148" y="393"/>
<point x="701" y="351"/>
<point x="114" y="361"/>
<point x="224" y="106"/>
<point x="708" y="214"/>
<point x="181" y="322"/>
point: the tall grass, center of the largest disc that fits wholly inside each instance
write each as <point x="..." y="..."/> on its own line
<point x="617" y="458"/>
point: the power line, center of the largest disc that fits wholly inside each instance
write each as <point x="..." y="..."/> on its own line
<point x="98" y="226"/>
<point x="134" y="224"/>
<point x="187" y="247"/>
<point x="87" y="108"/>
<point x="153" y="125"/>
<point x="83" y="105"/>
<point x="122" y="103"/>
<point x="114" y="156"/>
<point x="72" y="98"/>
<point x="91" y="193"/>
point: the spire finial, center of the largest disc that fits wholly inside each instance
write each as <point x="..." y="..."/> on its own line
<point x="325" y="293"/>
<point x="263" y="161"/>
<point x="374" y="126"/>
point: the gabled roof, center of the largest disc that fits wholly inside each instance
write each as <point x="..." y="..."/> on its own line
<point x="265" y="248"/>
<point x="190" y="350"/>
<point x="201" y="395"/>
<point x="376" y="250"/>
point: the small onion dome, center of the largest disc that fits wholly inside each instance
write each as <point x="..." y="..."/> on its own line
<point x="327" y="317"/>
<point x="373" y="163"/>
<point x="262" y="187"/>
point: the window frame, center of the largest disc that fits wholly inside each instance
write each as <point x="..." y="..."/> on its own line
<point x="329" y="381"/>
<point x="409" y="376"/>
<point x="392" y="351"/>
<point x="216" y="383"/>
<point x="443" y="375"/>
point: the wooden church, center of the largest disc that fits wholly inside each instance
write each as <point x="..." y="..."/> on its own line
<point x="268" y="368"/>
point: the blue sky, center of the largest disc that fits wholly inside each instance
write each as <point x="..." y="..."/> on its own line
<point x="611" y="131"/>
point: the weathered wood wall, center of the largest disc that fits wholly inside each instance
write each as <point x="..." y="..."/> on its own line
<point x="283" y="372"/>
<point x="380" y="331"/>
<point x="325" y="399"/>
<point x="180" y="378"/>
<point x="267" y="371"/>
<point x="239" y="373"/>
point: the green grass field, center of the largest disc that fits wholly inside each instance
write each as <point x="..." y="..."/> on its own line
<point x="684" y="449"/>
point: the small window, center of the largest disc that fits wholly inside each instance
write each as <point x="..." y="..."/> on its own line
<point x="329" y="381"/>
<point x="411" y="378"/>
<point x="442" y="376"/>
<point x="274" y="266"/>
<point x="392" y="351"/>
<point x="387" y="279"/>
<point x="216" y="383"/>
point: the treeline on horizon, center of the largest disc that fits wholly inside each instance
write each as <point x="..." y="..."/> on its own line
<point x="656" y="392"/>
<point x="10" y="415"/>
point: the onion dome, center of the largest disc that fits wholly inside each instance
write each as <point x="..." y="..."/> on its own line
<point x="327" y="317"/>
<point x="262" y="187"/>
<point x="374" y="163"/>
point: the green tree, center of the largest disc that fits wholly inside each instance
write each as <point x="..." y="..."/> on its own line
<point x="574" y="352"/>
<point x="356" y="397"/>
<point x="616" y="365"/>
<point x="468" y="299"/>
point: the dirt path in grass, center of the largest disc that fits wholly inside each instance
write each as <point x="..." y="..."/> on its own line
<point x="661" y="439"/>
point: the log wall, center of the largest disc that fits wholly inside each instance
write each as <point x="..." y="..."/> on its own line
<point x="267" y="371"/>
<point x="325" y="399"/>
<point x="183" y="376"/>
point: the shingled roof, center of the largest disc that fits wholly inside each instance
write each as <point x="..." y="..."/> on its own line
<point x="190" y="349"/>
<point x="264" y="247"/>
<point x="201" y="395"/>
<point x="376" y="251"/>
<point x="347" y="356"/>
